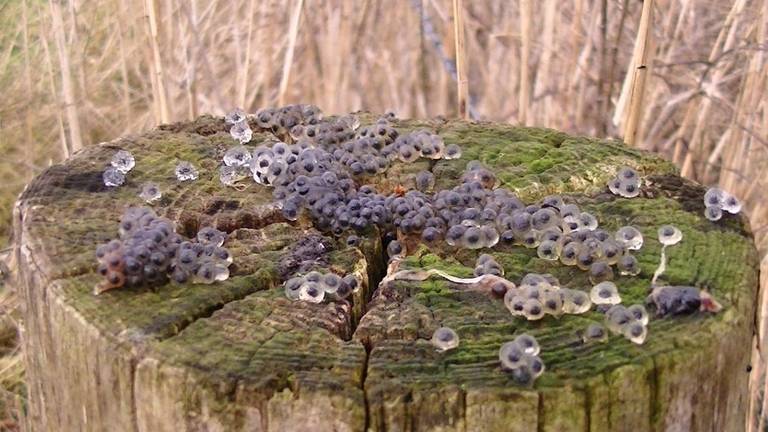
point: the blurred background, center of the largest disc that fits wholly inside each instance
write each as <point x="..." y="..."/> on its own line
<point x="78" y="72"/>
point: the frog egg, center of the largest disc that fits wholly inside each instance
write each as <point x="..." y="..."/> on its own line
<point x="548" y="250"/>
<point x="629" y="189"/>
<point x="714" y="197"/>
<point x="669" y="235"/>
<point x="112" y="177"/>
<point x="529" y="239"/>
<point x="331" y="283"/>
<point x="611" y="251"/>
<point x="600" y="271"/>
<point x="235" y="116"/>
<point x="484" y="258"/>
<point x="616" y="317"/>
<point x="472" y="238"/>
<point x="635" y="331"/>
<point x="544" y="218"/>
<point x="445" y="339"/>
<point x="407" y="153"/>
<point x="570" y="253"/>
<point x="528" y="344"/>
<point x="209" y="235"/>
<point x="452" y="151"/>
<point x="455" y="234"/>
<point x="292" y="287"/>
<point x="626" y="174"/>
<point x="185" y="171"/>
<point x="123" y="161"/>
<point x="575" y="302"/>
<point x="220" y="271"/>
<point x="533" y="310"/>
<point x="629" y="237"/>
<point x="639" y="313"/>
<point x="628" y="265"/>
<point x="500" y="288"/>
<point x="237" y="156"/>
<point x="535" y="280"/>
<point x="352" y="282"/>
<point x="311" y="292"/>
<point x="552" y="302"/>
<point x="731" y="204"/>
<point x="520" y="222"/>
<point x="430" y="235"/>
<point x="534" y="365"/>
<point x="585" y="259"/>
<point x="605" y="293"/>
<point x="571" y="223"/>
<point x="555" y="201"/>
<point x="587" y="221"/>
<point x="615" y="186"/>
<point x="180" y="275"/>
<point x="313" y="276"/>
<point x="511" y="356"/>
<point x="712" y="213"/>
<point x="489" y="236"/>
<point x="395" y="249"/>
<point x="206" y="274"/>
<point x="595" y="333"/>
<point x="551" y="234"/>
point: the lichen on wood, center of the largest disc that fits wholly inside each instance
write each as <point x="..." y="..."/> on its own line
<point x="238" y="355"/>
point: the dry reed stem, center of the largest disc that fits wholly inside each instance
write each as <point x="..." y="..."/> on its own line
<point x="67" y="87"/>
<point x="293" y="30"/>
<point x="159" y="96"/>
<point x="524" y="89"/>
<point x="641" y="57"/>
<point x="462" y="81"/>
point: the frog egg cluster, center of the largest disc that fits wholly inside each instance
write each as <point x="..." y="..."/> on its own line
<point x="149" y="249"/>
<point x="521" y="358"/>
<point x="315" y="286"/>
<point x="185" y="171"/>
<point x="239" y="128"/>
<point x="122" y="162"/>
<point x="626" y="183"/>
<point x="444" y="339"/>
<point x="717" y="201"/>
<point x="150" y="192"/>
<point x="486" y="264"/>
<point x="675" y="300"/>
<point x="539" y="295"/>
<point x="631" y="322"/>
<point x="605" y="293"/>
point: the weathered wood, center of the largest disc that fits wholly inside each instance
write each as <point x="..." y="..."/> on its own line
<point x="239" y="356"/>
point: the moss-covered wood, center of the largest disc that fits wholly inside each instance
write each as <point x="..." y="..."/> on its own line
<point x="238" y="355"/>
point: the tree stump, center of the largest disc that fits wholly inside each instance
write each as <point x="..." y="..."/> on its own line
<point x="238" y="355"/>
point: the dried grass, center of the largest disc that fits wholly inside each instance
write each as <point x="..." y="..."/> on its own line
<point x="76" y="73"/>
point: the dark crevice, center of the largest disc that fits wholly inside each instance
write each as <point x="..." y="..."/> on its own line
<point x="540" y="413"/>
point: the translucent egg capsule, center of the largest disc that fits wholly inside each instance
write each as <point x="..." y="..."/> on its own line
<point x="595" y="333"/>
<point x="575" y="302"/>
<point x="639" y="313"/>
<point x="555" y="201"/>
<point x="500" y="288"/>
<point x="669" y="235"/>
<point x="511" y="356"/>
<point x="535" y="280"/>
<point x="552" y="302"/>
<point x="514" y="303"/>
<point x="628" y="265"/>
<point x="731" y="204"/>
<point x="629" y="237"/>
<point x="445" y="339"/>
<point x="533" y="310"/>
<point x="528" y="343"/>
<point x="311" y="292"/>
<point x="123" y="161"/>
<point x="209" y="235"/>
<point x="407" y="153"/>
<point x="605" y="293"/>
<point x="712" y="213"/>
<point x="425" y="181"/>
<point x="714" y="197"/>
<point x="616" y="317"/>
<point x="313" y="276"/>
<point x="113" y="177"/>
<point x="615" y="186"/>
<point x="587" y="221"/>
<point x="352" y="282"/>
<point x="220" y="271"/>
<point x="570" y="253"/>
<point x="612" y="251"/>
<point x="235" y="116"/>
<point x="331" y="283"/>
<point x="629" y="189"/>
<point x="472" y="238"/>
<point x="455" y="234"/>
<point x="600" y="271"/>
<point x="489" y="236"/>
<point x="585" y="259"/>
<point x="237" y="156"/>
<point x="185" y="171"/>
<point x="627" y="174"/>
<point x="292" y="287"/>
<point x="635" y="331"/>
<point x="544" y="218"/>
<point x="529" y="239"/>
<point x="452" y="151"/>
<point x="548" y="250"/>
<point x="534" y="365"/>
<point x="241" y="132"/>
<point x="206" y="274"/>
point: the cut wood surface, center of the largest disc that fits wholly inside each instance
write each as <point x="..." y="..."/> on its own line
<point x="239" y="355"/>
